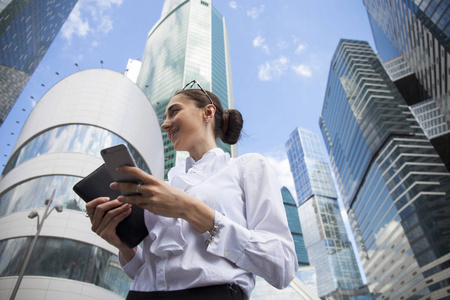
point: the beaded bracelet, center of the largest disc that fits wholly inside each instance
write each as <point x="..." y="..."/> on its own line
<point x="214" y="231"/>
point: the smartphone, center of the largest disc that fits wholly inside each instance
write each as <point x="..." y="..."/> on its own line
<point x="117" y="156"/>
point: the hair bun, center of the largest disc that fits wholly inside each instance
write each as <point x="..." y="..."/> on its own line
<point x="231" y="126"/>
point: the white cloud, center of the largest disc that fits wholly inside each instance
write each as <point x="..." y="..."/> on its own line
<point x="89" y="17"/>
<point x="75" y="24"/>
<point x="256" y="11"/>
<point x="278" y="159"/>
<point x="233" y="4"/>
<point x="302" y="70"/>
<point x="108" y="3"/>
<point x="273" y="69"/>
<point x="106" y="24"/>
<point x="295" y="39"/>
<point x="300" y="49"/>
<point x="258" y="41"/>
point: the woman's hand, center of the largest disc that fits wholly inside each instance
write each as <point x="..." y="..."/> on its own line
<point x="161" y="199"/>
<point x="105" y="215"/>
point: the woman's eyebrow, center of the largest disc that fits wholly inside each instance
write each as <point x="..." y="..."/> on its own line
<point x="170" y="108"/>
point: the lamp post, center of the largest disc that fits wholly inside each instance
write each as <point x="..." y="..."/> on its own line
<point x="39" y="226"/>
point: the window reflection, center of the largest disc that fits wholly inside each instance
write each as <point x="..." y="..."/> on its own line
<point x="64" y="258"/>
<point x="71" y="138"/>
<point x="32" y="194"/>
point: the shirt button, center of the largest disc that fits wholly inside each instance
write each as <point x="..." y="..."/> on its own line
<point x="226" y="253"/>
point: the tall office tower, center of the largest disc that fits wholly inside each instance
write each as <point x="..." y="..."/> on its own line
<point x="413" y="36"/>
<point x="294" y="225"/>
<point x="306" y="273"/>
<point x="190" y="41"/>
<point x="329" y="249"/>
<point x="27" y="29"/>
<point x="393" y="184"/>
<point x="59" y="144"/>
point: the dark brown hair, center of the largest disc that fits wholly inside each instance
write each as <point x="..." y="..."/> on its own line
<point x="228" y="122"/>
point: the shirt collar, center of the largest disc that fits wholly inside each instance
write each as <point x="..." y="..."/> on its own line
<point x="189" y="172"/>
<point x="206" y="158"/>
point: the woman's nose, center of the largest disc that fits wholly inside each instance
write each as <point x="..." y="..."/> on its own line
<point x="165" y="126"/>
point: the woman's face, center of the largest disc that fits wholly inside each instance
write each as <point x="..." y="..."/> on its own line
<point x="184" y="123"/>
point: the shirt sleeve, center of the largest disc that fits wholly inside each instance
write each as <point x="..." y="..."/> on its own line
<point x="265" y="247"/>
<point x="130" y="268"/>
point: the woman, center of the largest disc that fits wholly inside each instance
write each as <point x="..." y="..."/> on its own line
<point x="216" y="224"/>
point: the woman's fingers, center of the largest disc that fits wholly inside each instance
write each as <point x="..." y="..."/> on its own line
<point x="92" y="205"/>
<point x="131" y="187"/>
<point x="103" y="213"/>
<point x="107" y="230"/>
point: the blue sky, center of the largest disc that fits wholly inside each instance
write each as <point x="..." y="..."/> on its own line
<point x="280" y="57"/>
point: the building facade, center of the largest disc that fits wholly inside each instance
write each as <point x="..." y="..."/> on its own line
<point x="412" y="40"/>
<point x="59" y="144"/>
<point x="294" y="225"/>
<point x="27" y="29"/>
<point x="306" y="273"/>
<point x="329" y="249"/>
<point x="189" y="42"/>
<point x="416" y="30"/>
<point x="394" y="186"/>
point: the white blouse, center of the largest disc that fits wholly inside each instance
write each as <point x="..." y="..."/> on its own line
<point x="253" y="237"/>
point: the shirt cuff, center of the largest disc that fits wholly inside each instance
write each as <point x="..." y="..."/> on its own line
<point x="231" y="239"/>
<point x="131" y="267"/>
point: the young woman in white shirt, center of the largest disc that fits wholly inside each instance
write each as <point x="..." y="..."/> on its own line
<point x="217" y="223"/>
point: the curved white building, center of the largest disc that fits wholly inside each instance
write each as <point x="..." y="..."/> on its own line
<point x="60" y="144"/>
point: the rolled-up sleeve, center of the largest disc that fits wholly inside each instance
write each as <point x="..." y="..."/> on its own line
<point x="265" y="247"/>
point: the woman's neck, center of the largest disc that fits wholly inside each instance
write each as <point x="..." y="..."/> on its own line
<point x="201" y="150"/>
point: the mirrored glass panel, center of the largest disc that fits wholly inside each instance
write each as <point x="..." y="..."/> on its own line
<point x="31" y="194"/>
<point x="71" y="138"/>
<point x="63" y="258"/>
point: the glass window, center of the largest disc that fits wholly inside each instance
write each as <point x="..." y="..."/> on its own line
<point x="64" y="258"/>
<point x="71" y="138"/>
<point x="32" y="194"/>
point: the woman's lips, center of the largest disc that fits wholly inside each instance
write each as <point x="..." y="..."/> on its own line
<point x="172" y="134"/>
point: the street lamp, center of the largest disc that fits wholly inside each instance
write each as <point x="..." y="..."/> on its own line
<point x="39" y="225"/>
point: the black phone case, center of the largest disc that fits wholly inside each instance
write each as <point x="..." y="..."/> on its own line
<point x="131" y="230"/>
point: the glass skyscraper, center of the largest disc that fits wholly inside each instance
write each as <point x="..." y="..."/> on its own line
<point x="412" y="40"/>
<point x="27" y="29"/>
<point x="418" y="31"/>
<point x="394" y="185"/>
<point x="294" y="225"/>
<point x="190" y="41"/>
<point x="329" y="249"/>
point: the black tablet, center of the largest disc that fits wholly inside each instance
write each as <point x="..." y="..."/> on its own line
<point x="131" y="230"/>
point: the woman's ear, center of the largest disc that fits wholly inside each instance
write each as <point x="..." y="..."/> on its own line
<point x="210" y="111"/>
